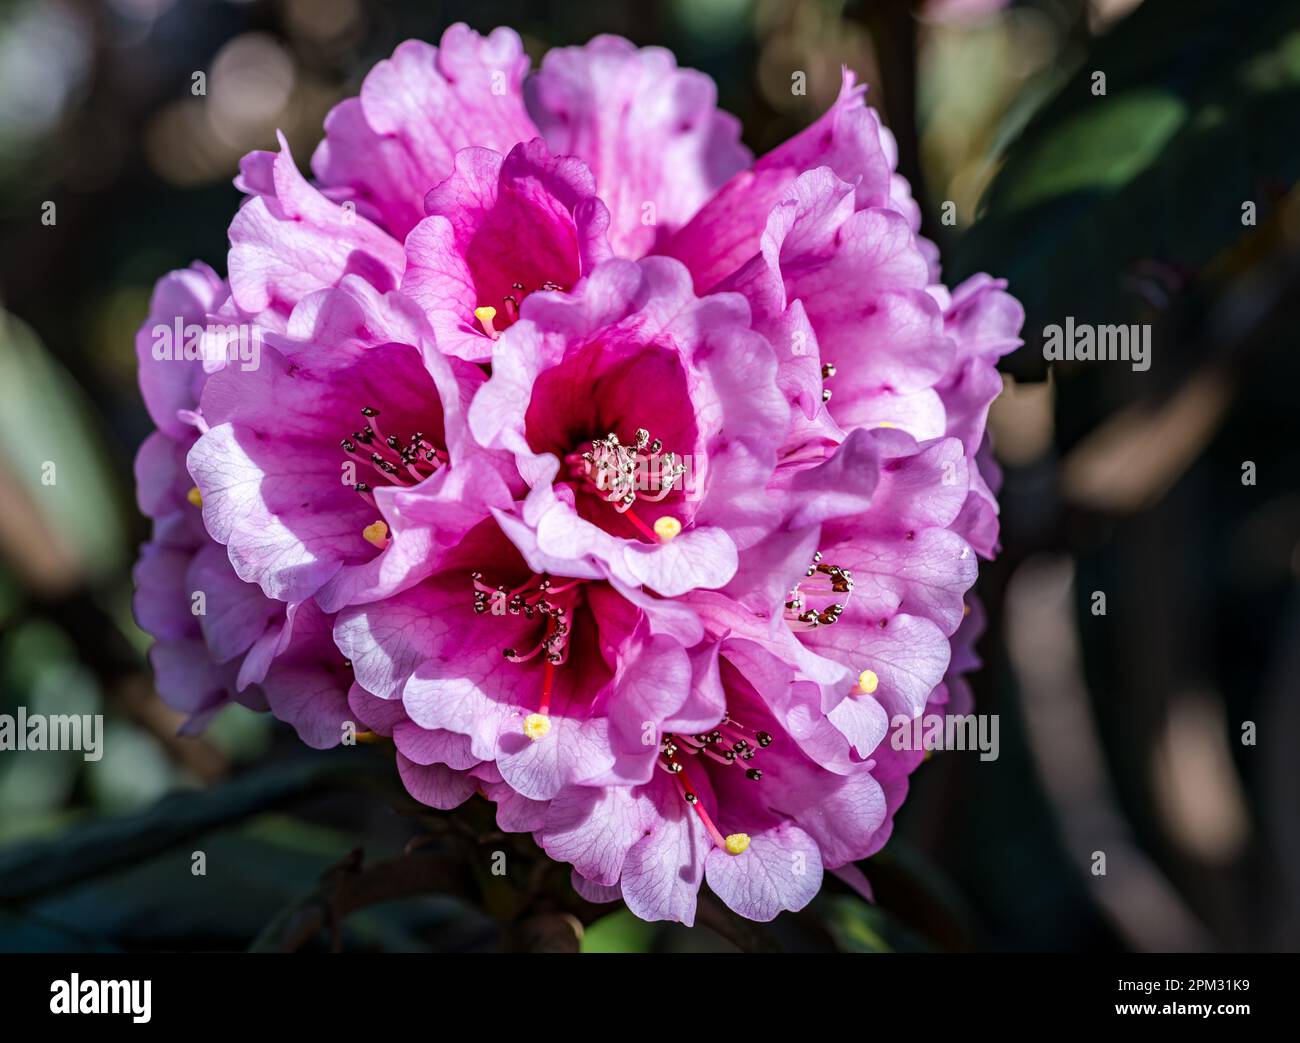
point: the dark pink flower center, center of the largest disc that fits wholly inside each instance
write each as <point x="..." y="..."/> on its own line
<point x="592" y="411"/>
<point x="621" y="474"/>
<point x="405" y="460"/>
<point x="553" y="606"/>
<point x="730" y="744"/>
<point x="537" y="598"/>
<point x="496" y="321"/>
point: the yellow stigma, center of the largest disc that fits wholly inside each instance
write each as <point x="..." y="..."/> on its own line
<point x="737" y="842"/>
<point x="868" y="681"/>
<point x="667" y="528"/>
<point x="376" y="533"/>
<point x="536" y="725"/>
<point x="485" y="315"/>
<point x="886" y="423"/>
<point x="195" y="497"/>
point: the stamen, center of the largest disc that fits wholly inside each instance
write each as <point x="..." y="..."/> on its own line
<point x="735" y="728"/>
<point x="727" y="757"/>
<point x="536" y="597"/>
<point x="730" y="743"/>
<point x="384" y="468"/>
<point x="825" y="579"/>
<point x="764" y="739"/>
<point x="551" y="642"/>
<point x="693" y="799"/>
<point x="868" y="682"/>
<point x="397" y="463"/>
<point x="622" y="473"/>
<point x="734" y="843"/>
<point x="372" y="415"/>
<point x="194" y="497"/>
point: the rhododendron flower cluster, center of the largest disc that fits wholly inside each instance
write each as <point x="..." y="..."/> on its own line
<point x="625" y="480"/>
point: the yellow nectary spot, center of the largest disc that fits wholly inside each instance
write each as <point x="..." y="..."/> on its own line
<point x="737" y="842"/>
<point x="376" y="533"/>
<point x="667" y="528"/>
<point x="536" y="725"/>
<point x="868" y="681"/>
<point x="195" y="497"/>
<point x="485" y="315"/>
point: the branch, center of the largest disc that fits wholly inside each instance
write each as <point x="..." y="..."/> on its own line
<point x="349" y="886"/>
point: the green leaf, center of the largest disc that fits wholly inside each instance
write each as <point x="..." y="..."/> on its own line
<point x="859" y="927"/>
<point x="1101" y="148"/>
<point x="619" y="932"/>
<point x="45" y="419"/>
<point x="1201" y="114"/>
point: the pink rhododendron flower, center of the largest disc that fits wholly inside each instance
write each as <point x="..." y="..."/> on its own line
<point x="613" y="475"/>
<point x="571" y="395"/>
<point x="347" y="408"/>
<point x="551" y="677"/>
<point x="499" y="228"/>
<point x="197" y="660"/>
<point x="217" y="637"/>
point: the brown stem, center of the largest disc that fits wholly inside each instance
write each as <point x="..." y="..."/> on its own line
<point x="892" y="24"/>
<point x="350" y="886"/>
<point x="743" y="934"/>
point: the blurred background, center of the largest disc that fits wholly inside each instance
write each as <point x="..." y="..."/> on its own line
<point x="1163" y="733"/>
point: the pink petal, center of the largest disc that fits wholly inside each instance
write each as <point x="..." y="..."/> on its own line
<point x="649" y="131"/>
<point x="417" y="109"/>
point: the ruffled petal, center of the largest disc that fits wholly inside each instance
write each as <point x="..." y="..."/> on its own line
<point x="650" y="132"/>
<point x="417" y="109"/>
